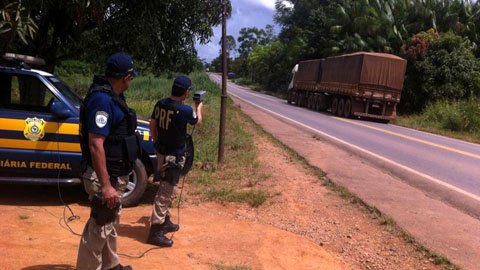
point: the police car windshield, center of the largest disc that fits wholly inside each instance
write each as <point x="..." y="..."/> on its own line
<point x="66" y="91"/>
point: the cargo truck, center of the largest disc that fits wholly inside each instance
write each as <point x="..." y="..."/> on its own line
<point x="362" y="84"/>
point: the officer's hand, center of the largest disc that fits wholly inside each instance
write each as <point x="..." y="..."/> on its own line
<point x="110" y="196"/>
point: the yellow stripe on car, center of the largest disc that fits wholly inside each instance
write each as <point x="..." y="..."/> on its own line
<point x="50" y="127"/>
<point x="40" y="145"/>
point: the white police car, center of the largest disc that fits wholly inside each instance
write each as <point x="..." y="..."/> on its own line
<point x="39" y="134"/>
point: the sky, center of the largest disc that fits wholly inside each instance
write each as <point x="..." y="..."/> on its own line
<point x="245" y="13"/>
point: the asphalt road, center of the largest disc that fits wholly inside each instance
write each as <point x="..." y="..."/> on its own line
<point x="449" y="163"/>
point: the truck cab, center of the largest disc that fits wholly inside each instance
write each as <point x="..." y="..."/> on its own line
<point x="39" y="133"/>
<point x="294" y="71"/>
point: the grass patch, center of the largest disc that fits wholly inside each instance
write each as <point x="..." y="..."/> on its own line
<point x="23" y="216"/>
<point x="233" y="267"/>
<point x="237" y="179"/>
<point x="259" y="88"/>
<point x="456" y="119"/>
<point x="254" y="198"/>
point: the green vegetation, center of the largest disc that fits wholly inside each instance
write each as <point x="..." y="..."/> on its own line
<point x="233" y="267"/>
<point x="77" y="74"/>
<point x="456" y="119"/>
<point x="438" y="38"/>
<point x="161" y="35"/>
<point x="238" y="180"/>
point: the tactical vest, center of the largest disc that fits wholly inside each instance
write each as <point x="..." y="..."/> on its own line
<point x="170" y="136"/>
<point x="122" y="145"/>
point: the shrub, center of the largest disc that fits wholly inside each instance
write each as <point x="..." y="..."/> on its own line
<point x="458" y="116"/>
<point x="449" y="71"/>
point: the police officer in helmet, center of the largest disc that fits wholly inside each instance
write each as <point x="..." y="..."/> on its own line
<point x="168" y="126"/>
<point x="109" y="148"/>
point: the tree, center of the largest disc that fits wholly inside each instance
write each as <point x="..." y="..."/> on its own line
<point x="249" y="37"/>
<point x="159" y="34"/>
<point x="56" y="23"/>
<point x="231" y="45"/>
<point x="168" y="30"/>
<point x="15" y="22"/>
<point x="441" y="67"/>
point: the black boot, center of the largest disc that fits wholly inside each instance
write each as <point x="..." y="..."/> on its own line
<point x="157" y="237"/>
<point x="168" y="226"/>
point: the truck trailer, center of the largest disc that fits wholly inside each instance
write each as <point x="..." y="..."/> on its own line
<point x="362" y="84"/>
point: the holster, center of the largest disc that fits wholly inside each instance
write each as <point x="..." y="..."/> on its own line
<point x="101" y="213"/>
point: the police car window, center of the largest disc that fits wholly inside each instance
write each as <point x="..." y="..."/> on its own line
<point x="66" y="91"/>
<point x="28" y="93"/>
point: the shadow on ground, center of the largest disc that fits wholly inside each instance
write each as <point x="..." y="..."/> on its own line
<point x="137" y="232"/>
<point x="49" y="267"/>
<point x="31" y="195"/>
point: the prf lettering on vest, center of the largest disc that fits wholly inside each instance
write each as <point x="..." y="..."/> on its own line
<point x="164" y="117"/>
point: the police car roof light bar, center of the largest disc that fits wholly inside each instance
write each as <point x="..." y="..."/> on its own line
<point x="20" y="58"/>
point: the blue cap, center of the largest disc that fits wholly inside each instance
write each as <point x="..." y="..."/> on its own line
<point x="120" y="64"/>
<point x="180" y="85"/>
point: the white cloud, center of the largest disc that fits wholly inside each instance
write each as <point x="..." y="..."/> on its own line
<point x="246" y="13"/>
<point x="270" y="4"/>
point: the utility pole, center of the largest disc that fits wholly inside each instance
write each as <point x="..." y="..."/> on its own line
<point x="223" y="104"/>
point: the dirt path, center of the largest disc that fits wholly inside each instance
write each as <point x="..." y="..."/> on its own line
<point x="304" y="226"/>
<point x="209" y="239"/>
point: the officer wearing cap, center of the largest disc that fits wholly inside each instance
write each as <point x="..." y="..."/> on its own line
<point x="109" y="148"/>
<point x="168" y="126"/>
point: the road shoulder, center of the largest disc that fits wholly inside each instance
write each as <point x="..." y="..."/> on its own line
<point x="434" y="224"/>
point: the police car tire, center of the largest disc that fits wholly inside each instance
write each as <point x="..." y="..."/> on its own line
<point x="141" y="178"/>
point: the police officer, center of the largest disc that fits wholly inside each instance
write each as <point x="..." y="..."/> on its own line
<point x="168" y="126"/>
<point x="109" y="148"/>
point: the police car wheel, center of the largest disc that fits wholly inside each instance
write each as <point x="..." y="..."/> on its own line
<point x="136" y="186"/>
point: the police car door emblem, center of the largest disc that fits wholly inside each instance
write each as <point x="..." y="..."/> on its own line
<point x="101" y="119"/>
<point x="34" y="129"/>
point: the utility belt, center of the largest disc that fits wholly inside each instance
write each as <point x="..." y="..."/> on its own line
<point x="115" y="168"/>
<point x="183" y="157"/>
<point x="119" y="167"/>
<point x="172" y="164"/>
<point x="172" y="158"/>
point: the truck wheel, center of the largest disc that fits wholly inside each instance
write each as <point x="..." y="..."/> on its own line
<point x="298" y="100"/>
<point x="303" y="100"/>
<point x="310" y="100"/>
<point x="334" y="106"/>
<point x="347" y="111"/>
<point x="321" y="103"/>
<point x="341" y="105"/>
<point x="289" y="97"/>
<point x="137" y="185"/>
